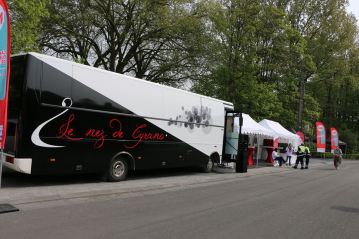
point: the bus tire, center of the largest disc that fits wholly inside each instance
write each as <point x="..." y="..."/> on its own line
<point x="118" y="169"/>
<point x="207" y="168"/>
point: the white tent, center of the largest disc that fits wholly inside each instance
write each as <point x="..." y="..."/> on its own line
<point x="256" y="133"/>
<point x="251" y="127"/>
<point x="283" y="134"/>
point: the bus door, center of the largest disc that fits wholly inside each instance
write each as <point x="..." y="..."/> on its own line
<point x="231" y="137"/>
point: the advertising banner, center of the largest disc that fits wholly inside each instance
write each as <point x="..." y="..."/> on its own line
<point x="301" y="135"/>
<point x="4" y="68"/>
<point x="276" y="142"/>
<point x="320" y="137"/>
<point x="334" y="139"/>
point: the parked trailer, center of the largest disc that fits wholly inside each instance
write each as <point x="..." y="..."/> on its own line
<point x="65" y="117"/>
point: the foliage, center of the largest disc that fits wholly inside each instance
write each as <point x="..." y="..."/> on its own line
<point x="329" y="155"/>
<point x="155" y="40"/>
<point x="351" y="156"/>
<point x="25" y="16"/>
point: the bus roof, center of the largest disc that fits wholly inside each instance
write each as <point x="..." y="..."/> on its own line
<point x="42" y="56"/>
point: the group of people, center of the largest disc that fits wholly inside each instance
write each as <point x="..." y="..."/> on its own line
<point x="302" y="152"/>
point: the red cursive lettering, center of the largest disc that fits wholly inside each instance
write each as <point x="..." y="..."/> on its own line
<point x="98" y="134"/>
<point x="140" y="136"/>
<point x="119" y="132"/>
<point x="65" y="130"/>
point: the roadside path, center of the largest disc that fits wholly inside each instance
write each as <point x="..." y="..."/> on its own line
<point x="25" y="195"/>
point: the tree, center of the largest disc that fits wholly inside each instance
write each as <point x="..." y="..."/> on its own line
<point x="328" y="32"/>
<point x="148" y="39"/>
<point x="25" y="16"/>
<point x="256" y="48"/>
<point x="335" y="84"/>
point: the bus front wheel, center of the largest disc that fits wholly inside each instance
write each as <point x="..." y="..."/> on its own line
<point x="118" y="169"/>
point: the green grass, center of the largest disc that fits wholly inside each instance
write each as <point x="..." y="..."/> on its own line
<point x="330" y="155"/>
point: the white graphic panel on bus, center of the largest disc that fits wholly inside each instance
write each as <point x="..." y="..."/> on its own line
<point x="35" y="137"/>
<point x="153" y="102"/>
<point x="198" y="116"/>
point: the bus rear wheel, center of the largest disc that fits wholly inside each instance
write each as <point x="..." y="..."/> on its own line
<point x="118" y="169"/>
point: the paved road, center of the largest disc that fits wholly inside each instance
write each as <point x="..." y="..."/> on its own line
<point x="265" y="203"/>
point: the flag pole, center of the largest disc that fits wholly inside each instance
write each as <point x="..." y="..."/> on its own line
<point x="5" y="45"/>
<point x="1" y="162"/>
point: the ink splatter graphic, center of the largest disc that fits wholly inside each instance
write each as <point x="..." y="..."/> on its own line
<point x="197" y="117"/>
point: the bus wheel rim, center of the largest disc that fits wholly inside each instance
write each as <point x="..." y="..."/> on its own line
<point x="118" y="169"/>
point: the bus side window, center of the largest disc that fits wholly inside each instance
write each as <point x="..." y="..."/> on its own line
<point x="55" y="85"/>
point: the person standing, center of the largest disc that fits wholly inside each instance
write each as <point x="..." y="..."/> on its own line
<point x="289" y="152"/>
<point x="338" y="155"/>
<point x="307" y="157"/>
<point x="300" y="156"/>
<point x="277" y="157"/>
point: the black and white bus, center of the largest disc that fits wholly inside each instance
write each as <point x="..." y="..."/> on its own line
<point x="65" y="117"/>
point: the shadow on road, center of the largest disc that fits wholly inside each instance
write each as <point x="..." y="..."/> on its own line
<point x="15" y="179"/>
<point x="346" y="209"/>
<point x="326" y="169"/>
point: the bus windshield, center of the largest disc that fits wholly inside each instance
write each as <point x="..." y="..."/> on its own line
<point x="17" y="73"/>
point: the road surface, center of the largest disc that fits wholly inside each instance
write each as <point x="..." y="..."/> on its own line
<point x="273" y="203"/>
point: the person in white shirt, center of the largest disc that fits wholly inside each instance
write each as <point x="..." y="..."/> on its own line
<point x="289" y="151"/>
<point x="277" y="157"/>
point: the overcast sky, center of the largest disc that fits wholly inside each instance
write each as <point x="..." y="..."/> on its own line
<point x="354" y="7"/>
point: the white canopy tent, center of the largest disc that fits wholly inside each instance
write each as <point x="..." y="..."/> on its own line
<point x="251" y="127"/>
<point x="255" y="131"/>
<point x="266" y="129"/>
<point x="284" y="135"/>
